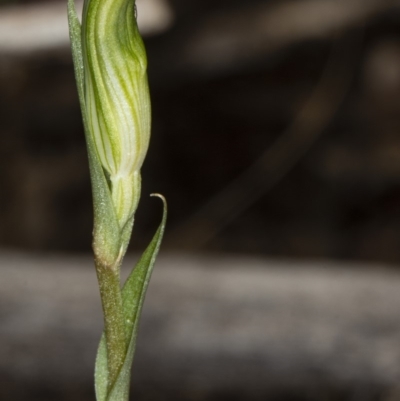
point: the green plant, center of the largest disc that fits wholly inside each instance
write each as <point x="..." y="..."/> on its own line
<point x="110" y="69"/>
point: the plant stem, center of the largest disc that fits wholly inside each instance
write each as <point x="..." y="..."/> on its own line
<point x="115" y="332"/>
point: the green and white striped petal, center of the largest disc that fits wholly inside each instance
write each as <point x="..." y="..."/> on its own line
<point x="116" y="97"/>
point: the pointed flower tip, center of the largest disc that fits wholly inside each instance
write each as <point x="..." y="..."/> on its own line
<point x="158" y="196"/>
<point x="164" y="201"/>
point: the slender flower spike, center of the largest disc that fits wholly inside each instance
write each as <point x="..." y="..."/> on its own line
<point x="110" y="71"/>
<point x="116" y="97"/>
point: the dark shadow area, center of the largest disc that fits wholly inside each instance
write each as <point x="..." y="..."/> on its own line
<point x="329" y="188"/>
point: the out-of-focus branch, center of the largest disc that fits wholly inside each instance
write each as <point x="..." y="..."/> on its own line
<point x="238" y="37"/>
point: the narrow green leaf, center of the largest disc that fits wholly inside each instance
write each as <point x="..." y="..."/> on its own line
<point x="101" y="371"/>
<point x="133" y="295"/>
<point x="106" y="232"/>
<point x="76" y="46"/>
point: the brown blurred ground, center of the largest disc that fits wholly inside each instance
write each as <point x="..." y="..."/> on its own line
<point x="213" y="329"/>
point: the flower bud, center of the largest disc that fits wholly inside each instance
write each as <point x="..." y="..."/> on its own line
<point x="116" y="97"/>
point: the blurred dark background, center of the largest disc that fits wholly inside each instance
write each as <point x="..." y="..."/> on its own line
<point x="316" y="84"/>
<point x="276" y="133"/>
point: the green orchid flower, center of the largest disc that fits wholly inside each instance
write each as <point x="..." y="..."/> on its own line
<point x="110" y="69"/>
<point x="116" y="96"/>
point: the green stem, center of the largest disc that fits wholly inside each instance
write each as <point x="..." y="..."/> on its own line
<point x="114" y="326"/>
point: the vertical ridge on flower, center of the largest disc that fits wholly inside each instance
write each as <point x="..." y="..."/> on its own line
<point x="116" y="97"/>
<point x="126" y="194"/>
